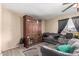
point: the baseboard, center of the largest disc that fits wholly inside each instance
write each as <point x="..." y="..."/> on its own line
<point x="10" y="48"/>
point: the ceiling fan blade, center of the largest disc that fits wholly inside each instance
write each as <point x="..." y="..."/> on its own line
<point x="77" y="9"/>
<point x="68" y="7"/>
<point x="65" y="3"/>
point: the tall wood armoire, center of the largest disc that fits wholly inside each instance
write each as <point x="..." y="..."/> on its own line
<point x="31" y="30"/>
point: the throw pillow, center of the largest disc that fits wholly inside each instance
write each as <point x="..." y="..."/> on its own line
<point x="50" y="36"/>
<point x="65" y="48"/>
<point x="72" y="41"/>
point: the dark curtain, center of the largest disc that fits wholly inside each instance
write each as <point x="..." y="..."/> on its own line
<point x="76" y="22"/>
<point x="61" y="24"/>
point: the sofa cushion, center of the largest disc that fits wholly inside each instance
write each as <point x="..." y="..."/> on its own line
<point x="65" y="48"/>
<point x="76" y="45"/>
<point x="76" y="52"/>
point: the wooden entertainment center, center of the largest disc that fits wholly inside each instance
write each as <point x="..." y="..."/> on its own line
<point x="31" y="30"/>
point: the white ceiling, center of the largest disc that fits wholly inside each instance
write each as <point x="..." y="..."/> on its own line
<point x="39" y="10"/>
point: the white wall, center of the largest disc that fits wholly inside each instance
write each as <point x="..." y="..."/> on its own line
<point x="52" y="25"/>
<point x="43" y="26"/>
<point x="11" y="29"/>
<point x="0" y="27"/>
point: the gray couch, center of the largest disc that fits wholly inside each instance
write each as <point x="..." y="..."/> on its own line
<point x="46" y="51"/>
<point x="51" y="38"/>
<point x="49" y="51"/>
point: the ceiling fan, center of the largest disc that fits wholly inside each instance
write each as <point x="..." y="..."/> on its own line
<point x="71" y="5"/>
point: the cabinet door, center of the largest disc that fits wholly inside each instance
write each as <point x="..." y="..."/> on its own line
<point x="36" y="31"/>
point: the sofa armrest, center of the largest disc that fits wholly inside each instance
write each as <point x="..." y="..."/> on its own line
<point x="47" y="51"/>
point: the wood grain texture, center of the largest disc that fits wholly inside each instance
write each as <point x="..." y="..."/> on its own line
<point x="31" y="28"/>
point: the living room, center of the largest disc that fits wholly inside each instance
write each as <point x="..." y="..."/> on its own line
<point x="24" y="24"/>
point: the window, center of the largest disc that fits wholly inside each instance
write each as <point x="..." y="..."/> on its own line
<point x="69" y="28"/>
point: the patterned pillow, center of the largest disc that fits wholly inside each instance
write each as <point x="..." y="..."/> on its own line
<point x="72" y="41"/>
